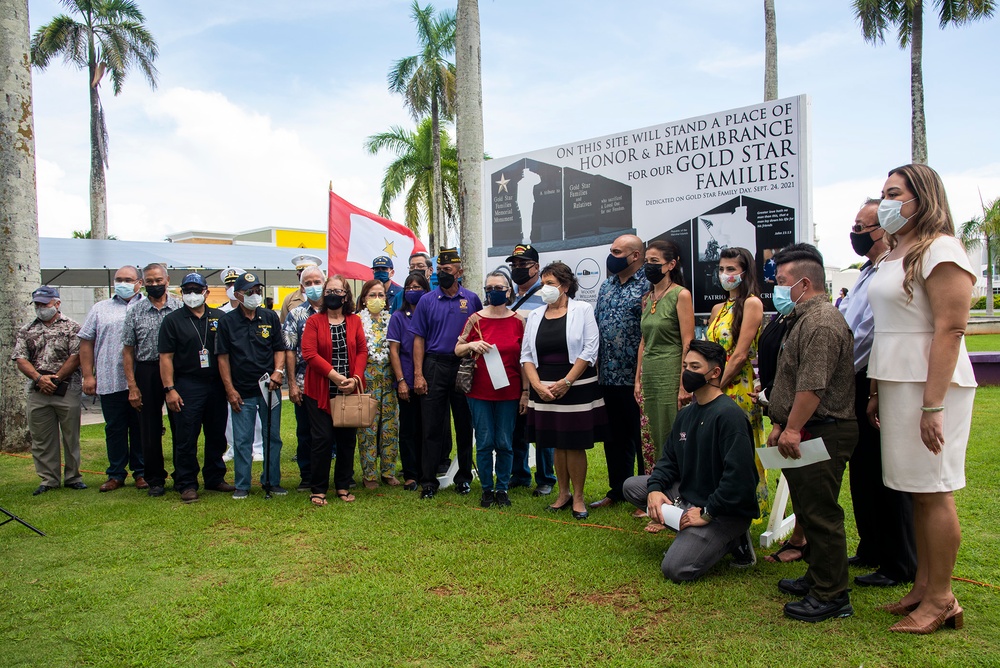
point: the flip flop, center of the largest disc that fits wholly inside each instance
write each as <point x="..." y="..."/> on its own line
<point x="346" y="497"/>
<point x="318" y="499"/>
<point x="639" y="513"/>
<point x="787" y="546"/>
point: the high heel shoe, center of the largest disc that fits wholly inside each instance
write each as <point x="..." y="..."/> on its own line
<point x="581" y="515"/>
<point x="952" y="617"/>
<point x="898" y="608"/>
<point x="555" y="509"/>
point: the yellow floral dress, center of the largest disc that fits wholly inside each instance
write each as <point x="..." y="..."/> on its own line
<point x="741" y="389"/>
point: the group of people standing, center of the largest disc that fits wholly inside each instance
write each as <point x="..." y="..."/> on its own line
<point x="884" y="381"/>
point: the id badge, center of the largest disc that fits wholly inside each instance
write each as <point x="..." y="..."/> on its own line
<point x="203" y="357"/>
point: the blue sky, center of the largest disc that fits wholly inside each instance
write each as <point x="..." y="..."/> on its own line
<point x="260" y="105"/>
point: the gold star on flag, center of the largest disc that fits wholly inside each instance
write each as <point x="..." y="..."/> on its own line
<point x="502" y="183"/>
<point x="388" y="250"/>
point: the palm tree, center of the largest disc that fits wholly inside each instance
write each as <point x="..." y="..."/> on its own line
<point x="110" y="38"/>
<point x="427" y="83"/>
<point x="469" y="129"/>
<point x="984" y="232"/>
<point x="412" y="171"/>
<point x="907" y="16"/>
<point x="770" y="52"/>
<point x="18" y="211"/>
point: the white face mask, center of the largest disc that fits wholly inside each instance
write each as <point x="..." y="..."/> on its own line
<point x="124" y="290"/>
<point x="889" y="216"/>
<point x="231" y="292"/>
<point x="549" y="294"/>
<point x="252" y="301"/>
<point x="193" y="300"/>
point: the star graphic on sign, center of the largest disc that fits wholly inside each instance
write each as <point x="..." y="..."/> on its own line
<point x="388" y="250"/>
<point x="502" y="183"/>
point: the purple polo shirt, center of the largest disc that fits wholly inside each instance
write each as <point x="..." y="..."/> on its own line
<point x="439" y="319"/>
<point x="400" y="332"/>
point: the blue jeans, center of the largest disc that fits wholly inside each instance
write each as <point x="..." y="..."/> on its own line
<point x="544" y="459"/>
<point x="243" y="428"/>
<point x="121" y="431"/>
<point x="493" y="422"/>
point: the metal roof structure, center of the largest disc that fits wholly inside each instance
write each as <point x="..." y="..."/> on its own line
<point x="93" y="262"/>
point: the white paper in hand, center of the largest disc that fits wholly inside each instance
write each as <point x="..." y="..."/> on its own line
<point x="672" y="516"/>
<point x="494" y="365"/>
<point x="813" y="450"/>
<point x="275" y="396"/>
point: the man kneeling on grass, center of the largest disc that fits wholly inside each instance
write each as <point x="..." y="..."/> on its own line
<point x="707" y="470"/>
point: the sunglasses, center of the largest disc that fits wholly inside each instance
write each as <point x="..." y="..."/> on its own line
<point x="494" y="288"/>
<point x="858" y="228"/>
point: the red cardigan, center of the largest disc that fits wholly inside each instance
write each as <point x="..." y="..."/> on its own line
<point x="317" y="351"/>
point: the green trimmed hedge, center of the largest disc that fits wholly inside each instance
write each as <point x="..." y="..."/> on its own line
<point x="981" y="302"/>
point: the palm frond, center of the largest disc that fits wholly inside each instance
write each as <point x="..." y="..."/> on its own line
<point x="63" y="36"/>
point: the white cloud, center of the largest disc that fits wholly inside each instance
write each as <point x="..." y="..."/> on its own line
<point x="733" y="61"/>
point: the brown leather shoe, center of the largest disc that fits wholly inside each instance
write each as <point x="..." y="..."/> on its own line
<point x="111" y="485"/>
<point x="140" y="483"/>
<point x="603" y="503"/>
<point x="189" y="495"/>
<point x="223" y="487"/>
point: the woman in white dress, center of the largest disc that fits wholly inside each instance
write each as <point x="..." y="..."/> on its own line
<point x="923" y="387"/>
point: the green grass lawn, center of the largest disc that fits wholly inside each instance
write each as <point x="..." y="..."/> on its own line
<point x="983" y="343"/>
<point x="126" y="580"/>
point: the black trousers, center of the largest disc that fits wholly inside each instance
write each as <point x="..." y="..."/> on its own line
<point x="622" y="446"/>
<point x="440" y="372"/>
<point x="326" y="441"/>
<point x="147" y="379"/>
<point x="815" y="492"/>
<point x="884" y="516"/>
<point x="303" y="434"/>
<point x="204" y="409"/>
<point x="411" y="436"/>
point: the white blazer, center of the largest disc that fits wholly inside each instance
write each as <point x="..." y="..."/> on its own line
<point x="582" y="337"/>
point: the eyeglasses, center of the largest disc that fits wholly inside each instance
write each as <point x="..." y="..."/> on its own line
<point x="522" y="264"/>
<point x="494" y="288"/>
<point x="192" y="290"/>
<point x="858" y="228"/>
<point x="339" y="293"/>
<point x="255" y="290"/>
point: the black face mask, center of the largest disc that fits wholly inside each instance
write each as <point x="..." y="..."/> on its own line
<point x="156" y="291"/>
<point x="654" y="273"/>
<point x="617" y="265"/>
<point x="333" y="302"/>
<point x="519" y="275"/>
<point x="862" y="242"/>
<point x="445" y="280"/>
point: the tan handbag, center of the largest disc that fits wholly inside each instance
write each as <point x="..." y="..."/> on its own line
<point x="353" y="410"/>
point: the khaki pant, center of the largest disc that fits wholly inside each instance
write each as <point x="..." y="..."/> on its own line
<point x="48" y="417"/>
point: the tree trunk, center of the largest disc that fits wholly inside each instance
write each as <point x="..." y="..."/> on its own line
<point x="437" y="193"/>
<point x="770" y="52"/>
<point x="918" y="141"/>
<point x="989" y="277"/>
<point x="469" y="137"/>
<point x="18" y="213"/>
<point x="98" y="187"/>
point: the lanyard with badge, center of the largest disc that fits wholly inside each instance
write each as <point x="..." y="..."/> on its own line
<point x="203" y="353"/>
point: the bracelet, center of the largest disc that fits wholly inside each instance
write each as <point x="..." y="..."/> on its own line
<point x="873" y="394"/>
<point x="932" y="409"/>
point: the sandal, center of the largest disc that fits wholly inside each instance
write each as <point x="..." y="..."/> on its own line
<point x="318" y="499"/>
<point x="391" y="480"/>
<point x="787" y="546"/>
<point x="345" y="496"/>
<point x="639" y="513"/>
<point x="654" y="527"/>
<point x="371" y="484"/>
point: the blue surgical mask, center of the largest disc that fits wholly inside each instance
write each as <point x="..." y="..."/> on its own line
<point x="783" y="302"/>
<point x="125" y="290"/>
<point x="314" y="293"/>
<point x="381" y="276"/>
<point x="889" y="216"/>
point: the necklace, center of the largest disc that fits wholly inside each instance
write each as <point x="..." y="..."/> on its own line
<point x="656" y="300"/>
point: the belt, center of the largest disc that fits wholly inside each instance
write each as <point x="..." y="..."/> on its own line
<point x="819" y="421"/>
<point x="156" y="362"/>
<point x="447" y="358"/>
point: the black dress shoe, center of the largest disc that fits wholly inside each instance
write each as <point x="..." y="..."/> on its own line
<point x="463" y="488"/>
<point x="156" y="490"/>
<point x="858" y="562"/>
<point x="567" y="504"/>
<point x="42" y="489"/>
<point x="794" y="586"/>
<point x="427" y="493"/>
<point x="76" y="485"/>
<point x="810" y="609"/>
<point x="875" y="579"/>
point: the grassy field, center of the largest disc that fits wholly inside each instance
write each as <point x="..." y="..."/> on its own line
<point x="126" y="580"/>
<point x="983" y="343"/>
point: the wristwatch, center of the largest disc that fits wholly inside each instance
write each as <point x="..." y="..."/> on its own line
<point x="705" y="515"/>
<point x="281" y="371"/>
<point x="168" y="388"/>
<point x="568" y="382"/>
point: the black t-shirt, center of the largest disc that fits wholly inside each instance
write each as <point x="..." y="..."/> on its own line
<point x="185" y="335"/>
<point x="250" y="344"/>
